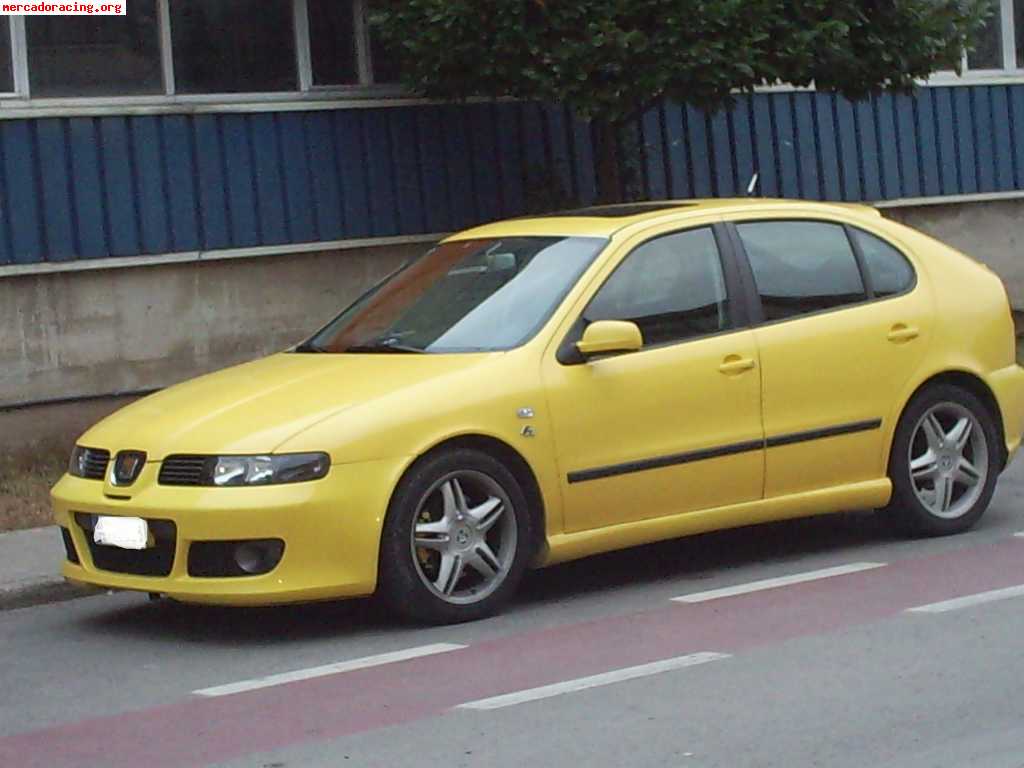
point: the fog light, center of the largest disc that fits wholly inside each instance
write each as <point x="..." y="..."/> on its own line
<point x="256" y="557"/>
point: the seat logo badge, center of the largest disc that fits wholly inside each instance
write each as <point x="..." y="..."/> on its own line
<point x="127" y="467"/>
<point x="528" y="431"/>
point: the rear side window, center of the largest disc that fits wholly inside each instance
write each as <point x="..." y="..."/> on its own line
<point x="801" y="267"/>
<point x="888" y="270"/>
<point x="672" y="287"/>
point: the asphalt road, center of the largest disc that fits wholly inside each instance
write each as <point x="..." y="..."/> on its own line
<point x="594" y="665"/>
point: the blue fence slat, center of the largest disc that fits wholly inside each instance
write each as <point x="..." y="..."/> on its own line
<point x="122" y="218"/>
<point x="380" y="173"/>
<point x="981" y="109"/>
<point x="807" y="146"/>
<point x="723" y="172"/>
<point x="653" y="153"/>
<point x="849" y="151"/>
<point x="927" y="143"/>
<point x="484" y="147"/>
<point x="240" y="172"/>
<point x="87" y="187"/>
<point x="323" y="167"/>
<point x="558" y="144"/>
<point x="945" y="120"/>
<point x="1003" y="146"/>
<point x="678" y="151"/>
<point x="457" y="150"/>
<point x="906" y="140"/>
<point x="767" y="157"/>
<point x="786" y="148"/>
<point x="699" y="151"/>
<point x="298" y="192"/>
<point x="55" y="179"/>
<point x="352" y="170"/>
<point x="405" y="156"/>
<point x="888" y="150"/>
<point x="965" y="142"/>
<point x="743" y="144"/>
<point x="430" y="129"/>
<point x="180" y="163"/>
<point x="25" y="211"/>
<point x="583" y="156"/>
<point x="211" y="168"/>
<point x="869" y="159"/>
<point x="828" y="146"/>
<point x="1017" y="110"/>
<point x="266" y="155"/>
<point x="151" y="184"/>
<point x="509" y="158"/>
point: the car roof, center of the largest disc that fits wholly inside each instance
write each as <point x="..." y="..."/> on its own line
<point x="606" y="220"/>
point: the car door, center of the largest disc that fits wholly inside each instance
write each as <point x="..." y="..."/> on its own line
<point x="843" y="328"/>
<point x="676" y="426"/>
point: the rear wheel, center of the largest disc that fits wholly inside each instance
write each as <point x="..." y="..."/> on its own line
<point x="456" y="540"/>
<point x="944" y="463"/>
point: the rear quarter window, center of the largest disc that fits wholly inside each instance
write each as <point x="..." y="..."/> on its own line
<point x="888" y="270"/>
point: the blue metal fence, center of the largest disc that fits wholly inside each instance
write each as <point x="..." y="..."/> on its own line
<point x="90" y="187"/>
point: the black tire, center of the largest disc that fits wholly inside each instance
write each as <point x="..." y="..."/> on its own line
<point x="402" y="582"/>
<point x="906" y="510"/>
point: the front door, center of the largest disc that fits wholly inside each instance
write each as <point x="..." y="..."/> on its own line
<point x="675" y="427"/>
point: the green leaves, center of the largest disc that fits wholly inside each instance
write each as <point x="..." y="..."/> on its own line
<point x="608" y="58"/>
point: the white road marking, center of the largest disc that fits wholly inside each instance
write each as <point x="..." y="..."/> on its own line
<point x="970" y="600"/>
<point x="328" y="669"/>
<point x="1019" y="534"/>
<point x="594" y="681"/>
<point x="782" y="581"/>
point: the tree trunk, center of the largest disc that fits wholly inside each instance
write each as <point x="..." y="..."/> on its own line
<point x="606" y="159"/>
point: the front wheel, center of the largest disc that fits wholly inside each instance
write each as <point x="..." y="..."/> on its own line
<point x="944" y="463"/>
<point x="456" y="540"/>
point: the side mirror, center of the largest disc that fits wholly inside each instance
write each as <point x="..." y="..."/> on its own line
<point x="606" y="337"/>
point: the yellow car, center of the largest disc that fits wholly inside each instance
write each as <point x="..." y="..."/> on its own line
<point x="547" y="388"/>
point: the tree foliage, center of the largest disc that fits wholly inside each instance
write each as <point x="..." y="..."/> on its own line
<point x="607" y="59"/>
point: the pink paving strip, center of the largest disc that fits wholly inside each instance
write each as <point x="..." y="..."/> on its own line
<point x="198" y="731"/>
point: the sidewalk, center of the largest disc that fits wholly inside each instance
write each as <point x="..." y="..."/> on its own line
<point x="30" y="569"/>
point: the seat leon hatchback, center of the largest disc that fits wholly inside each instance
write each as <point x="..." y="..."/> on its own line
<point x="542" y="389"/>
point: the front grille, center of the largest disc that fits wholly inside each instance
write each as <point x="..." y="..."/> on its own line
<point x="186" y="470"/>
<point x="94" y="463"/>
<point x="154" y="561"/>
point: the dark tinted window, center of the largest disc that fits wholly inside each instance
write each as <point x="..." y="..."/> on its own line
<point x="95" y="55"/>
<point x="888" y="270"/>
<point x="332" y="42"/>
<point x="6" y="69"/>
<point x="231" y="46"/>
<point x="801" y="266"/>
<point x="673" y="288"/>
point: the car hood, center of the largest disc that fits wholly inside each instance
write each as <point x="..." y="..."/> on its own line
<point x="255" y="407"/>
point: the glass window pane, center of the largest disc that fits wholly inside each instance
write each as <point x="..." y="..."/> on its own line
<point x="801" y="267"/>
<point x="1018" y="25"/>
<point x="332" y="42"/>
<point x="385" y="67"/>
<point x="233" y="46"/>
<point x="672" y="288"/>
<point x="95" y="55"/>
<point x="888" y="269"/>
<point x="6" y="69"/>
<point x="988" y="51"/>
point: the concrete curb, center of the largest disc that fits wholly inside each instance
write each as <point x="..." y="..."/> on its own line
<point x="32" y="592"/>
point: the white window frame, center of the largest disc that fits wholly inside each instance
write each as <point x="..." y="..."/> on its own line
<point x="1008" y="73"/>
<point x="20" y="100"/>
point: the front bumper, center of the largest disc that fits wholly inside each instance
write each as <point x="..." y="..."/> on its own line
<point x="331" y="530"/>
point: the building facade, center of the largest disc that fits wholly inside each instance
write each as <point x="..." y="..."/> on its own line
<point x="205" y="181"/>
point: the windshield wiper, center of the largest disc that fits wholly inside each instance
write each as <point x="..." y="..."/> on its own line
<point x="310" y="347"/>
<point x="386" y="346"/>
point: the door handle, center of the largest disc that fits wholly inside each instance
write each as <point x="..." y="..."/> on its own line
<point x="901" y="332"/>
<point x="734" y="364"/>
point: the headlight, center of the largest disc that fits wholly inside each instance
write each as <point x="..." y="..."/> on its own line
<point x="269" y="470"/>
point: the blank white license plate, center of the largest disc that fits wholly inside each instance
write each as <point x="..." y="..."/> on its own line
<point x="123" y="532"/>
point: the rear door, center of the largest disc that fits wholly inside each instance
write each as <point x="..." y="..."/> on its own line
<point x="843" y="327"/>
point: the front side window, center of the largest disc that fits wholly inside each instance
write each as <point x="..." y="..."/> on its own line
<point x="233" y="46"/>
<point x="801" y="267"/>
<point x="888" y="270"/>
<point x="463" y="296"/>
<point x="672" y="287"/>
<point x="95" y="55"/>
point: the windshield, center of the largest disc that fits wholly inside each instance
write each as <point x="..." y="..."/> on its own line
<point x="464" y="296"/>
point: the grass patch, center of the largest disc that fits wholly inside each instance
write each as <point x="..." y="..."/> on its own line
<point x="26" y="476"/>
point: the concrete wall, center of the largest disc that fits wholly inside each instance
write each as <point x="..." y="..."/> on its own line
<point x="77" y="334"/>
<point x="93" y="333"/>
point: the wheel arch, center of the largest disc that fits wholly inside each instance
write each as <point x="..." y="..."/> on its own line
<point x="970" y="382"/>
